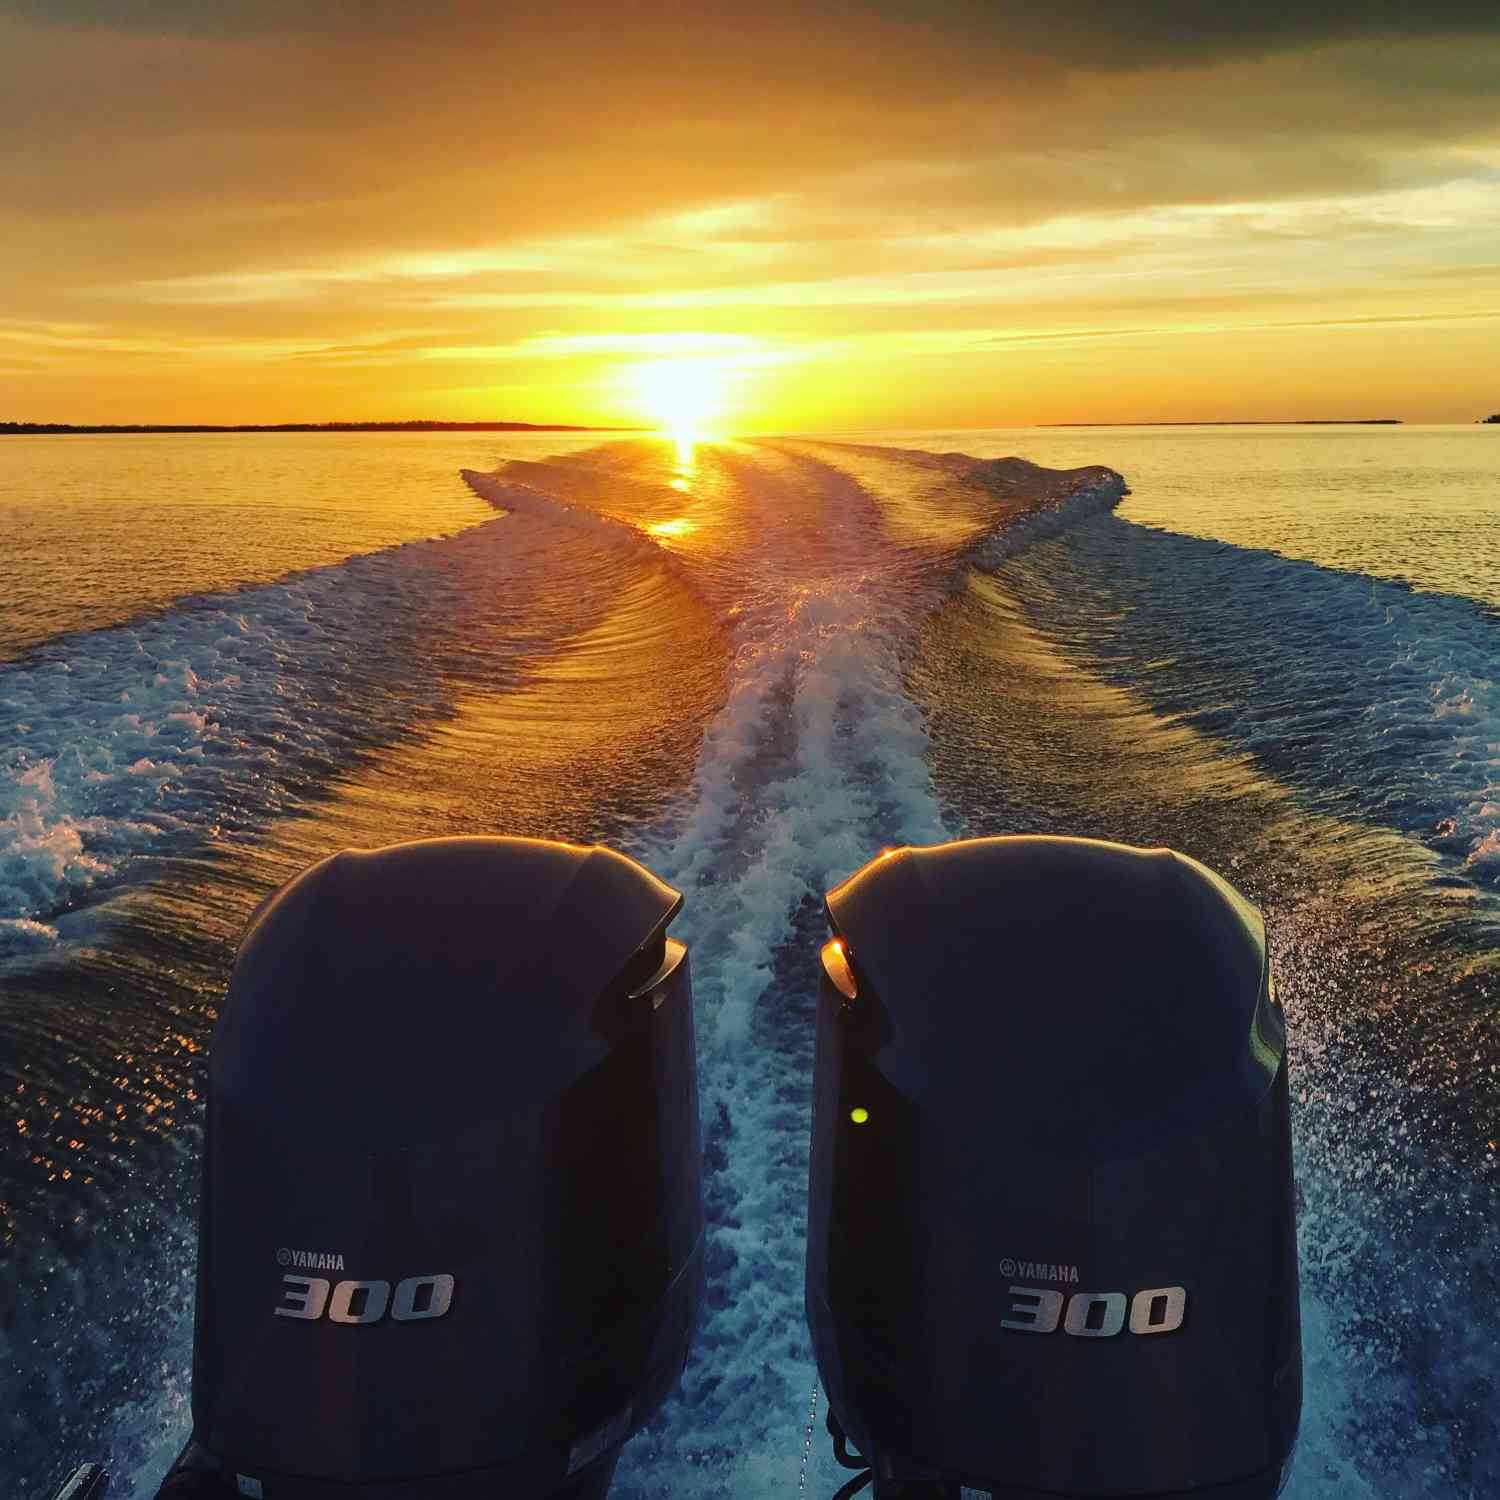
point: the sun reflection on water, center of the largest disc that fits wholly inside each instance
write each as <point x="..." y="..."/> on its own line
<point x="685" y="442"/>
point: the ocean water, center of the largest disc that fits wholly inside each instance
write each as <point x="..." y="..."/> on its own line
<point x="752" y="664"/>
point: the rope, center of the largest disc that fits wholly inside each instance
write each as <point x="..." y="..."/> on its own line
<point x="841" y="1449"/>
<point x="848" y="1459"/>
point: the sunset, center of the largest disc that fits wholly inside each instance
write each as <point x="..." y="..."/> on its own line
<point x="868" y="215"/>
<point x="749" y="750"/>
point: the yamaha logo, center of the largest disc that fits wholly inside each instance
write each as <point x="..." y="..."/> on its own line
<point x="309" y="1260"/>
<point x="1039" y="1270"/>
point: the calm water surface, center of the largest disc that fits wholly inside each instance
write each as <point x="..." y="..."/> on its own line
<point x="102" y="527"/>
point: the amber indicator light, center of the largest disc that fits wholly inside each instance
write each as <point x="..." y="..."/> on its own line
<point x="836" y="967"/>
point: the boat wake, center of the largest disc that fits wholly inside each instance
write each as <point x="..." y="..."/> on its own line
<point x="881" y="617"/>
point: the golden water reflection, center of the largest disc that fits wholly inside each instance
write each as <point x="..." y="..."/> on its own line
<point x="685" y="455"/>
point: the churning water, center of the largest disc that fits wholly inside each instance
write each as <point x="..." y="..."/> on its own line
<point x="752" y="665"/>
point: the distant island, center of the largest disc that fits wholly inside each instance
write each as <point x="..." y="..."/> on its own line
<point x="1293" y="422"/>
<point x="1495" y="418"/>
<point x="23" y="428"/>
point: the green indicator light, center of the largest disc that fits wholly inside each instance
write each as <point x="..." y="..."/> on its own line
<point x="859" y="1115"/>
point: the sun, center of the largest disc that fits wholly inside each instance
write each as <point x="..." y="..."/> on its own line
<point x="684" y="396"/>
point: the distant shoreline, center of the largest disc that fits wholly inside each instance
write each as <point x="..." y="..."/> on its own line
<point x="55" y="429"/>
<point x="46" y="429"/>
<point x="1254" y="422"/>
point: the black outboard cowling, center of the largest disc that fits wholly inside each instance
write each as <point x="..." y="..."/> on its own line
<point x="1052" y="1244"/>
<point x="451" y="1232"/>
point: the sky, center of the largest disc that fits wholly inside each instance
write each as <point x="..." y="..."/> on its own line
<point x="751" y="217"/>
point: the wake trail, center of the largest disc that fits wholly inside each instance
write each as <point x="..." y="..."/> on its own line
<point x="823" y="562"/>
<point x="816" y="760"/>
<point x="208" y="721"/>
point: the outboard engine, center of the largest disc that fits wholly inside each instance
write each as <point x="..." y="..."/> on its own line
<point x="451" y="1232"/>
<point x="1052" y="1246"/>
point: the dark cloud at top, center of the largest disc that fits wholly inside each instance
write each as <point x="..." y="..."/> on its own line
<point x="1109" y="33"/>
<point x="223" y="17"/>
<point x="1095" y="33"/>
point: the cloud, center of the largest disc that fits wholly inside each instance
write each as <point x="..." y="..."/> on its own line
<point x="1177" y="329"/>
<point x="206" y="152"/>
<point x="1110" y="33"/>
<point x="339" y="186"/>
<point x="1129" y="33"/>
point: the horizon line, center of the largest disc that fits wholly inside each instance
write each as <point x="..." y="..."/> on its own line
<point x="45" y="429"/>
<point x="419" y="424"/>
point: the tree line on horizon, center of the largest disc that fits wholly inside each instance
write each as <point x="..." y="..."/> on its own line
<point x="408" y="426"/>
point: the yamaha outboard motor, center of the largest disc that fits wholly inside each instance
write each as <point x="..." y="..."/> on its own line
<point x="1052" y="1246"/>
<point x="451" y="1234"/>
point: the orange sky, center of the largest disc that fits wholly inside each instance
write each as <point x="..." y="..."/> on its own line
<point x="775" y="216"/>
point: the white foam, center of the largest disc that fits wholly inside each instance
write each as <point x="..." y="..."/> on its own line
<point x="212" y="718"/>
<point x="1321" y="1468"/>
<point x="1091" y="495"/>
<point x="815" y="762"/>
<point x="1367" y="695"/>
